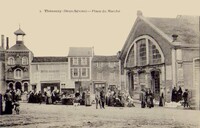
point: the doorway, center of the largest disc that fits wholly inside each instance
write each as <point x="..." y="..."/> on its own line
<point x="18" y="85"/>
<point x="11" y="86"/>
<point x="26" y="87"/>
<point x="155" y="83"/>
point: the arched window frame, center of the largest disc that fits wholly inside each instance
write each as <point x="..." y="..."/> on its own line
<point x="142" y="52"/>
<point x="10" y="84"/>
<point x="11" y="61"/>
<point x="24" y="60"/>
<point x="18" y="73"/>
<point x="154" y="54"/>
<point x="134" y="44"/>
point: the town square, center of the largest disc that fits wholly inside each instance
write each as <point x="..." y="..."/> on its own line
<point x="113" y="66"/>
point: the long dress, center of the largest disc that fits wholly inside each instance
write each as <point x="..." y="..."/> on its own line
<point x="174" y="95"/>
<point x="142" y="98"/>
<point x="8" y="105"/>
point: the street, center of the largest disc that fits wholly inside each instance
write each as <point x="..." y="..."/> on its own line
<point x="68" y="116"/>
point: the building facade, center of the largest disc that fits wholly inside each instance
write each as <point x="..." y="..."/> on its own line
<point x="80" y="61"/>
<point x="17" y="64"/>
<point x="161" y="53"/>
<point x="105" y="72"/>
<point x="50" y="73"/>
<point x="19" y="69"/>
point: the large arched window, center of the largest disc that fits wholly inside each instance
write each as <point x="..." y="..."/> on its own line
<point x="11" y="61"/>
<point x="154" y="54"/>
<point x="156" y="57"/>
<point x="24" y="61"/>
<point x="131" y="57"/>
<point x="142" y="52"/>
<point x="18" y="73"/>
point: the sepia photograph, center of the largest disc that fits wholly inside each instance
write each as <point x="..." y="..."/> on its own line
<point x="100" y="64"/>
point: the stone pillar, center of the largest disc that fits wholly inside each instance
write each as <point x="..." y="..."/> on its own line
<point x="23" y="87"/>
<point x="148" y="80"/>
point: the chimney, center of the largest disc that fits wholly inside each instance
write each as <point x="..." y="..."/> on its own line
<point x="2" y="41"/>
<point x="7" y="43"/>
<point x="174" y="36"/>
<point x="139" y="13"/>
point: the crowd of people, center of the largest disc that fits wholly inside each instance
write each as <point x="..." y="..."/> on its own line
<point x="146" y="97"/>
<point x="50" y="97"/>
<point x="179" y="95"/>
<point x="11" y="98"/>
<point x="114" y="97"/>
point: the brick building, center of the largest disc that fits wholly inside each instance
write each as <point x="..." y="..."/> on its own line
<point x="161" y="53"/>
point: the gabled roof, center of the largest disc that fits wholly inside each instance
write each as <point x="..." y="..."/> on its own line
<point x="19" y="46"/>
<point x="97" y="58"/>
<point x="50" y="59"/>
<point x="80" y="52"/>
<point x="186" y="27"/>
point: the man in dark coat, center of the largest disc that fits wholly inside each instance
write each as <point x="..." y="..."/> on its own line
<point x="142" y="98"/>
<point x="102" y="98"/>
<point x="185" y="98"/>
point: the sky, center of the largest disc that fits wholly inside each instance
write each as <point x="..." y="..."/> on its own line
<point x="52" y="33"/>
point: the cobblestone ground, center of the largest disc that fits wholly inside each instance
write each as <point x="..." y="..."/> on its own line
<point x="65" y="116"/>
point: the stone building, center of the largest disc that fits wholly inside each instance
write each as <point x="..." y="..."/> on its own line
<point x="17" y="64"/>
<point x="19" y="69"/>
<point x="50" y="72"/>
<point x="80" y="61"/>
<point x="161" y="53"/>
<point x="105" y="72"/>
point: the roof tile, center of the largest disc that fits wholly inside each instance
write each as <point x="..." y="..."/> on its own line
<point x="80" y="52"/>
<point x="50" y="59"/>
<point x="105" y="58"/>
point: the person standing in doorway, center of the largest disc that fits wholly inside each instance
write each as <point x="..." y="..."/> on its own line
<point x="49" y="100"/>
<point x="179" y="94"/>
<point x="174" y="95"/>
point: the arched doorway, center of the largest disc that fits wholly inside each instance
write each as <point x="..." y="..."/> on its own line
<point x="26" y="87"/>
<point x="18" y="85"/>
<point x="155" y="83"/>
<point x="131" y="83"/>
<point x="10" y="86"/>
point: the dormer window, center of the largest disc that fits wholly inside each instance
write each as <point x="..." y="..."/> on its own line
<point x="11" y="61"/>
<point x="24" y="61"/>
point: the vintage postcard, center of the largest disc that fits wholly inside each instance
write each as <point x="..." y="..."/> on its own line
<point x="100" y="63"/>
